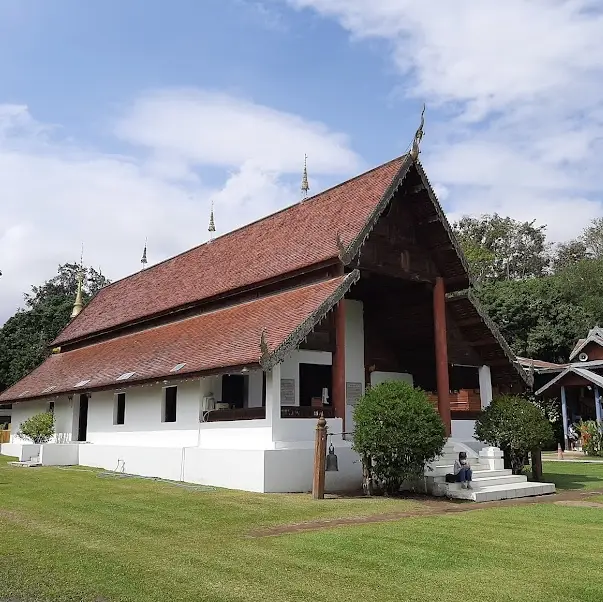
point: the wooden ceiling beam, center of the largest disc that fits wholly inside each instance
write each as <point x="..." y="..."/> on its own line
<point x="483" y="342"/>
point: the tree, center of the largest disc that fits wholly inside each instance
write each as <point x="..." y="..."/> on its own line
<point x="501" y="248"/>
<point x="581" y="284"/>
<point x="397" y="432"/>
<point x="569" y="253"/>
<point x="25" y="337"/>
<point x="516" y="426"/>
<point x="592" y="237"/>
<point x="537" y="316"/>
<point x="39" y="428"/>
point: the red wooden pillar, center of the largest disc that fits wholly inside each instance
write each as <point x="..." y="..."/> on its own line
<point x="441" y="352"/>
<point x="339" y="363"/>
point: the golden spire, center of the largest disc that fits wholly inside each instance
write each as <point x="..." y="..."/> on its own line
<point x="79" y="302"/>
<point x="143" y="261"/>
<point x="304" y="185"/>
<point x="212" y="225"/>
<point x="416" y="143"/>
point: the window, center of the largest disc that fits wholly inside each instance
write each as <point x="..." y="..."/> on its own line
<point x="51" y="407"/>
<point x="235" y="388"/>
<point x="120" y="409"/>
<point x="169" y="404"/>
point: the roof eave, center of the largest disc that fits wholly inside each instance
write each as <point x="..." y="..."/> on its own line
<point x="269" y="359"/>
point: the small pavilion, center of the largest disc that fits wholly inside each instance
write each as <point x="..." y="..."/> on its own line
<point x="578" y="382"/>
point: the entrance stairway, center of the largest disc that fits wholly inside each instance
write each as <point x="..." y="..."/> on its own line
<point x="491" y="481"/>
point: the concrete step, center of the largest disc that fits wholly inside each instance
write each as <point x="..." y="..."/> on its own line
<point x="444" y="469"/>
<point x="478" y="473"/>
<point x="502" y="492"/>
<point x="491" y="481"/>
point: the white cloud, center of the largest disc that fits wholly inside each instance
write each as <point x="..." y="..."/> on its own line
<point x="211" y="128"/>
<point x="516" y="92"/>
<point x="56" y="195"/>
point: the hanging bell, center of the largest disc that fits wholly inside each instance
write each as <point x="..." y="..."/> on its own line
<point x="331" y="463"/>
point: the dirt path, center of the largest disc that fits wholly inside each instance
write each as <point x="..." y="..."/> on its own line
<point x="432" y="507"/>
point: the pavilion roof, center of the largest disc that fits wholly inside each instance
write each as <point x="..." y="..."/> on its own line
<point x="583" y="370"/>
<point x="327" y="228"/>
<point x="254" y="334"/>
<point x="595" y="335"/>
<point x="540" y="365"/>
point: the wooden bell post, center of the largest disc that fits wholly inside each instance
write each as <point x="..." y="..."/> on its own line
<point x="320" y="451"/>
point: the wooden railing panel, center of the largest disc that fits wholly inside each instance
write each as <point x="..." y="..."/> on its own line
<point x="465" y="400"/>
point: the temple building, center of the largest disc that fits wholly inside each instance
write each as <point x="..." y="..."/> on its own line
<point x="213" y="366"/>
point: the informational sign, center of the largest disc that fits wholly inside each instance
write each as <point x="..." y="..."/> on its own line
<point x="287" y="391"/>
<point x="353" y="392"/>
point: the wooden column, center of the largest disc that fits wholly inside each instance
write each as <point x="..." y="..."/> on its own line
<point x="320" y="451"/>
<point x="338" y="381"/>
<point x="441" y="352"/>
<point x="564" y="418"/>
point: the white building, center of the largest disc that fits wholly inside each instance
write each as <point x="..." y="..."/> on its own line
<point x="213" y="366"/>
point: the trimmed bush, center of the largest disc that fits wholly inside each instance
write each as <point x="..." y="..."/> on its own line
<point x="516" y="426"/>
<point x="39" y="428"/>
<point x="397" y="432"/>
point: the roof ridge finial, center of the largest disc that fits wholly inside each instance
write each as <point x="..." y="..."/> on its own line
<point x="212" y="226"/>
<point x="304" y="184"/>
<point x="416" y="143"/>
<point x="143" y="261"/>
<point x="78" y="305"/>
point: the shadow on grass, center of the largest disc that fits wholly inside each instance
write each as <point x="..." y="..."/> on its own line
<point x="571" y="481"/>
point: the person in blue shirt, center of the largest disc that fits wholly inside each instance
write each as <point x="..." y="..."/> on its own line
<point x="462" y="470"/>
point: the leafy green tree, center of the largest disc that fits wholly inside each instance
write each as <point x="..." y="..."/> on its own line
<point x="536" y="316"/>
<point x="39" y="428"/>
<point x="516" y="426"/>
<point x="569" y="253"/>
<point x="592" y="237"/>
<point x="501" y="248"/>
<point x="25" y="337"/>
<point x="397" y="432"/>
<point x="581" y="284"/>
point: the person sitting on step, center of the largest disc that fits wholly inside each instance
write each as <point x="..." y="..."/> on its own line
<point x="462" y="470"/>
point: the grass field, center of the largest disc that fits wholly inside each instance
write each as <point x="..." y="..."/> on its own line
<point x="70" y="535"/>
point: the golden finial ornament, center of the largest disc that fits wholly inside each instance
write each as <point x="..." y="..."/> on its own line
<point x="305" y="186"/>
<point x="143" y="261"/>
<point x="212" y="225"/>
<point x="416" y="143"/>
<point x="79" y="301"/>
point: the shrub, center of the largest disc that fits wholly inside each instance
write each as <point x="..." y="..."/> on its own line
<point x="39" y="428"/>
<point x="516" y="426"/>
<point x="592" y="439"/>
<point x="397" y="432"/>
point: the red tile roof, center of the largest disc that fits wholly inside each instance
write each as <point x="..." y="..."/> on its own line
<point x="224" y="338"/>
<point x="295" y="238"/>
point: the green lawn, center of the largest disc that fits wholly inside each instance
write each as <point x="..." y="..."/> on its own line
<point x="69" y="535"/>
<point x="574" y="475"/>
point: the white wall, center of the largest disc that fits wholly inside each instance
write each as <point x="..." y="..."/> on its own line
<point x="354" y="353"/>
<point x="381" y="377"/>
<point x="485" y="386"/>
<point x="242" y="434"/>
<point x="162" y="462"/>
<point x="142" y="421"/>
<point x="63" y="420"/>
<point x="290" y="470"/>
<point x="233" y="469"/>
<point x="62" y="454"/>
<point x="463" y="430"/>
<point x="21" y="412"/>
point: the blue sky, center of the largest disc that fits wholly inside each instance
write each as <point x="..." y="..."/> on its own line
<point x="75" y="63"/>
<point x="124" y="120"/>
